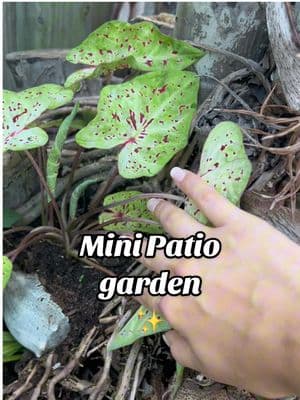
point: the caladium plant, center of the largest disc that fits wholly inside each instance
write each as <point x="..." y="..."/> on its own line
<point x="134" y="209"/>
<point x="21" y="109"/>
<point x="149" y="117"/>
<point x="224" y="164"/>
<point x="117" y="45"/>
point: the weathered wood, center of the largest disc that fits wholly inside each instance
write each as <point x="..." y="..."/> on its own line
<point x="280" y="217"/>
<point x="35" y="67"/>
<point x="282" y="29"/>
<point x="19" y="179"/>
<point x="238" y="27"/>
<point x="35" y="25"/>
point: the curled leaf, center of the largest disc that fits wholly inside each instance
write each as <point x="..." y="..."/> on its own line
<point x="55" y="153"/>
<point x="224" y="165"/>
<point x="142" y="323"/>
<point x="149" y="117"/>
<point x="22" y="108"/>
<point x="73" y="81"/>
<point x="134" y="209"/>
<point x="77" y="193"/>
<point x="117" y="45"/>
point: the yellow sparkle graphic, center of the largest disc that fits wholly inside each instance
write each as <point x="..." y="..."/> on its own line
<point x="154" y="320"/>
<point x="145" y="329"/>
<point x="141" y="313"/>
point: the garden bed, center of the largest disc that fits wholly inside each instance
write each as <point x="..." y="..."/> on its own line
<point x="81" y="367"/>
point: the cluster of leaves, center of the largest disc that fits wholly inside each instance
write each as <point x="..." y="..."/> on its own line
<point x="148" y="118"/>
<point x="117" y="45"/>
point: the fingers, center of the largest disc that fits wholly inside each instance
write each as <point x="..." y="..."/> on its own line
<point x="181" y="312"/>
<point x="158" y="263"/>
<point x="181" y="350"/>
<point x="175" y="220"/>
<point x="216" y="208"/>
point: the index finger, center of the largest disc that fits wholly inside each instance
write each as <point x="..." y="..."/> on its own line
<point x="176" y="221"/>
<point x="215" y="207"/>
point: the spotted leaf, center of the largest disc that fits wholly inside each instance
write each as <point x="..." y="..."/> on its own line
<point x="148" y="117"/>
<point x="117" y="45"/>
<point x="224" y="165"/>
<point x="134" y="209"/>
<point x="142" y="323"/>
<point x="22" y="108"/>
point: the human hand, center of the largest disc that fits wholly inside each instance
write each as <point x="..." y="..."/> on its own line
<point x="244" y="328"/>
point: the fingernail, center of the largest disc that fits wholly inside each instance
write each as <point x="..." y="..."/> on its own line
<point x="177" y="174"/>
<point x="152" y="203"/>
<point x="165" y="340"/>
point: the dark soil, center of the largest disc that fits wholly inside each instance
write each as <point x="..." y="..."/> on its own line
<point x="72" y="285"/>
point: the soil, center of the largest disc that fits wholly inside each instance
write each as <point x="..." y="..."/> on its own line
<point x="72" y="285"/>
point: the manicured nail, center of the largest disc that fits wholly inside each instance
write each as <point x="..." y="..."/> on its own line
<point x="165" y="340"/>
<point x="152" y="203"/>
<point x="177" y="174"/>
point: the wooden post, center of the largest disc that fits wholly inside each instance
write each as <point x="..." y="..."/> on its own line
<point x="285" y="42"/>
<point x="237" y="27"/>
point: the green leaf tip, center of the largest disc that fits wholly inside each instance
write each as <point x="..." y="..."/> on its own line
<point x="7" y="267"/>
<point x="117" y="45"/>
<point x="134" y="209"/>
<point x="224" y="165"/>
<point x="149" y="117"/>
<point x="142" y="323"/>
<point x="12" y="350"/>
<point x="20" y="109"/>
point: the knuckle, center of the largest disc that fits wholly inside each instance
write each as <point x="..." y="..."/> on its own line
<point x="164" y="306"/>
<point x="180" y="269"/>
<point x="165" y="212"/>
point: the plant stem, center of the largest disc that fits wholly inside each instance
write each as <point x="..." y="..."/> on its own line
<point x="115" y="220"/>
<point x="53" y="201"/>
<point x="43" y="213"/>
<point x="17" y="229"/>
<point x="80" y="220"/>
<point x="91" y="262"/>
<point x="26" y="243"/>
<point x="75" y="164"/>
<point x="101" y="192"/>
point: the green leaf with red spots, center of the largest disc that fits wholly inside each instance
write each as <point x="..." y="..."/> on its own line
<point x="143" y="323"/>
<point x="149" y="117"/>
<point x="117" y="45"/>
<point x="224" y="165"/>
<point x="22" y="108"/>
<point x="134" y="209"/>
